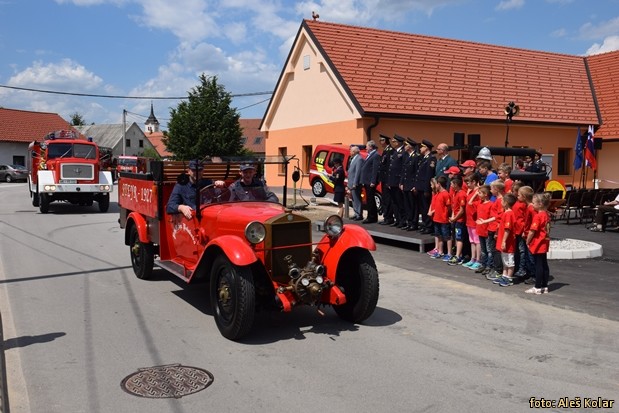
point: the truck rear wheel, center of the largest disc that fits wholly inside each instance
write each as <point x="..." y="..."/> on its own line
<point x="233" y="298"/>
<point x="44" y="203"/>
<point x="104" y="202"/>
<point x="142" y="256"/>
<point x="358" y="277"/>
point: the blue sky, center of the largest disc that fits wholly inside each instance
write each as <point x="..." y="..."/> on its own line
<point x="158" y="48"/>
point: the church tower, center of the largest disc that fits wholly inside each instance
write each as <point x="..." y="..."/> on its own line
<point x="152" y="124"/>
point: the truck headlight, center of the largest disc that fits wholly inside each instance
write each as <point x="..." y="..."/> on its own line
<point x="49" y="188"/>
<point x="255" y="232"/>
<point x="104" y="187"/>
<point x="334" y="226"/>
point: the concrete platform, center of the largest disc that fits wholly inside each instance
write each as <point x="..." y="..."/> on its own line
<point x="573" y="249"/>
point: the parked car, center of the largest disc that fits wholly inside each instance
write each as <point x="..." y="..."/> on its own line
<point x="322" y="167"/>
<point x="10" y="173"/>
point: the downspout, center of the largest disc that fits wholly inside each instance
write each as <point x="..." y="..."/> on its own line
<point x="368" y="132"/>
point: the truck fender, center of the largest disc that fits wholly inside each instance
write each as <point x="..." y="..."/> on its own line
<point x="45" y="178"/>
<point x="105" y="178"/>
<point x="138" y="220"/>
<point x="353" y="236"/>
<point x="235" y="248"/>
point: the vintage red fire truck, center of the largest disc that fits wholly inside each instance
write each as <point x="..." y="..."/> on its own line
<point x="63" y="167"/>
<point x="255" y="253"/>
<point x="127" y="163"/>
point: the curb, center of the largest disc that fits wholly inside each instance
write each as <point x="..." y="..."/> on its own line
<point x="573" y="249"/>
<point x="4" y="391"/>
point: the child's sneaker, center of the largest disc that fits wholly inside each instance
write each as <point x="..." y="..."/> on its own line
<point x="492" y="275"/>
<point x="476" y="266"/>
<point x="506" y="281"/>
<point x="432" y="252"/>
<point x="436" y="255"/>
<point x="468" y="264"/>
<point x="446" y="258"/>
<point x="454" y="260"/>
<point x="534" y="290"/>
<point x="530" y="281"/>
<point x="480" y="269"/>
<point x="498" y="279"/>
<point x="545" y="290"/>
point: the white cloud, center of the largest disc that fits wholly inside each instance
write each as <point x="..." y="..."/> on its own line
<point x="611" y="43"/>
<point x="600" y="30"/>
<point x="510" y="4"/>
<point x="66" y="75"/>
<point x="559" y="33"/>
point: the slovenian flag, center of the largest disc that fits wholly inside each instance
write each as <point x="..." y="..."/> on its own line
<point x="590" y="150"/>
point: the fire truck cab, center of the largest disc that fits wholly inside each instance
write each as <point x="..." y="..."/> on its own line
<point x="63" y="167"/>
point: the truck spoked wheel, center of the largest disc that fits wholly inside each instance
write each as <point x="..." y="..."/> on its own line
<point x="44" y="203"/>
<point x="358" y="277"/>
<point x="233" y="298"/>
<point x="142" y="256"/>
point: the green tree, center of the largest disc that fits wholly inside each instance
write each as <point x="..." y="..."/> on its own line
<point x="205" y="124"/>
<point x="77" y="120"/>
<point x="151" y="153"/>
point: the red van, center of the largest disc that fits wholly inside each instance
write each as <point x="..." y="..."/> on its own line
<point x="322" y="166"/>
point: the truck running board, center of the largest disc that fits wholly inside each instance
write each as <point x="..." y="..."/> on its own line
<point x="175" y="269"/>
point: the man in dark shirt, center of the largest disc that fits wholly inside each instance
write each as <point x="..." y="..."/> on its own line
<point x="250" y="188"/>
<point x="183" y="197"/>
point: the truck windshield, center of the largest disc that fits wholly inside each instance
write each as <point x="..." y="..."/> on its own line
<point x="127" y="161"/>
<point x="67" y="150"/>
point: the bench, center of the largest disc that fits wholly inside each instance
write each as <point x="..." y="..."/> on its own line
<point x="224" y="171"/>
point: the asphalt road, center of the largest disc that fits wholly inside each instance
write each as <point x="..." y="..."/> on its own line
<point x="77" y="322"/>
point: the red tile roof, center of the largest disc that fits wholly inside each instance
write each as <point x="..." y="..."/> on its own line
<point x="155" y="139"/>
<point x="604" y="69"/>
<point x="407" y="74"/>
<point x="251" y="131"/>
<point x="25" y="126"/>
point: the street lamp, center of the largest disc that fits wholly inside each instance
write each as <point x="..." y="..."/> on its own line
<point x="511" y="110"/>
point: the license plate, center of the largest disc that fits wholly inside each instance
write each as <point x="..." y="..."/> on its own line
<point x="68" y="181"/>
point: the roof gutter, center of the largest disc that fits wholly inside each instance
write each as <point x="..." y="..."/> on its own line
<point x="368" y="131"/>
<point x="592" y="86"/>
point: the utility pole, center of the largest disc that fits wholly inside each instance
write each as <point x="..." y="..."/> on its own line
<point x="124" y="130"/>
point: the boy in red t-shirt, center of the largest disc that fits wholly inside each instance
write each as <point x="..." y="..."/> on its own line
<point x="523" y="194"/>
<point x="458" y="218"/>
<point x="483" y="213"/>
<point x="538" y="241"/>
<point x="506" y="241"/>
<point x="497" y="189"/>
<point x="503" y="172"/>
<point x="472" y="202"/>
<point x="439" y="211"/>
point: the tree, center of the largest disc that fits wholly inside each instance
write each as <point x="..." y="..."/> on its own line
<point x="151" y="153"/>
<point x="205" y="124"/>
<point x="77" y="120"/>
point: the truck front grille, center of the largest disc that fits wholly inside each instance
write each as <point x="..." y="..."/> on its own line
<point x="77" y="171"/>
<point x="289" y="234"/>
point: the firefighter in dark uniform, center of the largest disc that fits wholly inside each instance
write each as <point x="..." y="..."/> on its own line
<point x="393" y="180"/>
<point x="407" y="183"/>
<point x="383" y="173"/>
<point x="423" y="190"/>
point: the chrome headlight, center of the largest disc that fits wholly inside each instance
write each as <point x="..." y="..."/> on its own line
<point x="49" y="188"/>
<point x="255" y="232"/>
<point x="334" y="226"/>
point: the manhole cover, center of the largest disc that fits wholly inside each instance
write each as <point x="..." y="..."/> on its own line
<point x="168" y="381"/>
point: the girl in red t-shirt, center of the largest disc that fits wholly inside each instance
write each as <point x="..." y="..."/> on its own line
<point x="538" y="241"/>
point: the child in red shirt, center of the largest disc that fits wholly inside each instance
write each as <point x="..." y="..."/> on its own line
<point x="538" y="241"/>
<point x="483" y="213"/>
<point x="439" y="211"/>
<point x="472" y="202"/>
<point x="506" y="241"/>
<point x="503" y="172"/>
<point x="497" y="189"/>
<point x="458" y="218"/>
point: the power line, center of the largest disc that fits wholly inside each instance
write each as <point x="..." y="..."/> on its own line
<point x="122" y="97"/>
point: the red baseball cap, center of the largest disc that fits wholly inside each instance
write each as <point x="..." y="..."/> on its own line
<point x="453" y="170"/>
<point x="468" y="164"/>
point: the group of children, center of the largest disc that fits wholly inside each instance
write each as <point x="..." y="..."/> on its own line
<point x="508" y="227"/>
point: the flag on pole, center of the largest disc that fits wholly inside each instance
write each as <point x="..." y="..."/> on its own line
<point x="590" y="150"/>
<point x="578" y="158"/>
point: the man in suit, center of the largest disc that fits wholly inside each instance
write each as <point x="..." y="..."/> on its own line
<point x="423" y="191"/>
<point x="354" y="182"/>
<point x="369" y="179"/>
<point x="444" y="161"/>
<point x="383" y="176"/>
<point x="407" y="183"/>
<point x="393" y="180"/>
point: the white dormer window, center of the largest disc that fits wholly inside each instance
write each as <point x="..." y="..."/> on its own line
<point x="306" y="62"/>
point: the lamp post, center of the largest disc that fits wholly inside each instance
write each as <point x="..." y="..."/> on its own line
<point x="511" y="110"/>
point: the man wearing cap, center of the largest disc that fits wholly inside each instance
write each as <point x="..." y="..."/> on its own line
<point x="444" y="161"/>
<point x="468" y="167"/>
<point x="383" y="176"/>
<point x="183" y="197"/>
<point x="423" y="190"/>
<point x="250" y="188"/>
<point x="407" y="182"/>
<point x="369" y="179"/>
<point x="393" y="180"/>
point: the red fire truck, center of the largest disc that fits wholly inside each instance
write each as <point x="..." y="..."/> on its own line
<point x="256" y="253"/>
<point x="127" y="163"/>
<point x="63" y="167"/>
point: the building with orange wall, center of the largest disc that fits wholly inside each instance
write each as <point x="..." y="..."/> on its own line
<point x="347" y="84"/>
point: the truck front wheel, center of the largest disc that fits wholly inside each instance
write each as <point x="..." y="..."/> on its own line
<point x="233" y="298"/>
<point x="44" y="203"/>
<point x="35" y="199"/>
<point x="358" y="277"/>
<point x="142" y="256"/>
<point x="104" y="202"/>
